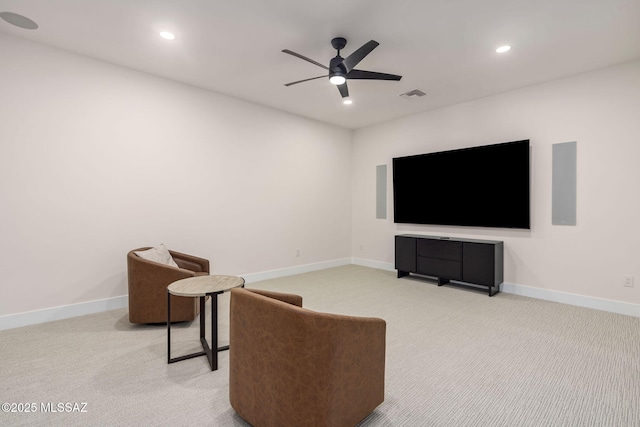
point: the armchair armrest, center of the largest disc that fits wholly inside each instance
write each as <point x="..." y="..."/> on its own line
<point x="190" y="262"/>
<point x="288" y="298"/>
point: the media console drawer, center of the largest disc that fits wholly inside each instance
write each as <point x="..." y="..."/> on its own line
<point x="451" y="270"/>
<point x="440" y="249"/>
<point x="478" y="262"/>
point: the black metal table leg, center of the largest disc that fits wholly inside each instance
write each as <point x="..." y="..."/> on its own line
<point x="211" y="354"/>
<point x="207" y="350"/>
<point x="168" y="327"/>
<point x="202" y="330"/>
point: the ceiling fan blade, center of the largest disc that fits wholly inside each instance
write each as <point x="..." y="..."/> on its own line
<point x="371" y="75"/>
<point x="305" y="80"/>
<point x="305" y="58"/>
<point x="344" y="90"/>
<point x="357" y="56"/>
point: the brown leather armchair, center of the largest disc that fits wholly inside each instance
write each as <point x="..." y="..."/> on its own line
<point x="289" y="366"/>
<point x="148" y="283"/>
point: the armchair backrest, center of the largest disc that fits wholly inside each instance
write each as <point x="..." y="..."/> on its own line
<point x="289" y="366"/>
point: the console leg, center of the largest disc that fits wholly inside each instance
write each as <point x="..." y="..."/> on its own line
<point x="402" y="273"/>
<point x="442" y="281"/>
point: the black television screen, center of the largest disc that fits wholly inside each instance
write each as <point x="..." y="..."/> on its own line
<point x="485" y="186"/>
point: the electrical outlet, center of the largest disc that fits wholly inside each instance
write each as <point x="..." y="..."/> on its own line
<point x="297" y="253"/>
<point x="628" y="281"/>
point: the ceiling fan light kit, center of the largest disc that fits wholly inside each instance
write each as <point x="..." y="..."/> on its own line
<point x="337" y="79"/>
<point x="342" y="69"/>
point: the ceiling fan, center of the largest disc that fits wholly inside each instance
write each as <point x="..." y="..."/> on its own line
<point x="341" y="69"/>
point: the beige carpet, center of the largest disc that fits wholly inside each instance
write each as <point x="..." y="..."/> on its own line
<point x="455" y="357"/>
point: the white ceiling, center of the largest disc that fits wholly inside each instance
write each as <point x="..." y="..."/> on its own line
<point x="446" y="48"/>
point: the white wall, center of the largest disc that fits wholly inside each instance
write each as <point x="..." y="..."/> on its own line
<point x="96" y="160"/>
<point x="600" y="111"/>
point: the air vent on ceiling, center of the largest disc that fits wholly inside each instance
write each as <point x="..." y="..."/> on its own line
<point x="416" y="93"/>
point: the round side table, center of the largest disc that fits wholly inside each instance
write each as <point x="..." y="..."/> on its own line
<point x="202" y="287"/>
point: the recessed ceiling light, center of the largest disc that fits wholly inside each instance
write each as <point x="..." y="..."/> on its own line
<point x="347" y="102"/>
<point x="503" y="49"/>
<point x="18" y="20"/>
<point x="167" y="35"/>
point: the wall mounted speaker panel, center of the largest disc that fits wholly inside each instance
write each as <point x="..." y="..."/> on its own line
<point x="381" y="191"/>
<point x="564" y="184"/>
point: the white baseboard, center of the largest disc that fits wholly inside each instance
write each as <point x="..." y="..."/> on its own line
<point x="573" y="299"/>
<point x="298" y="269"/>
<point x="373" y="264"/>
<point x="618" y="307"/>
<point x="11" y="321"/>
<point x="64" y="312"/>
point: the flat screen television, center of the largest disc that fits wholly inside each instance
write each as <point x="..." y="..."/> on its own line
<point x="485" y="186"/>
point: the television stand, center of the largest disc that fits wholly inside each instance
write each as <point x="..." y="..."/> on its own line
<point x="471" y="261"/>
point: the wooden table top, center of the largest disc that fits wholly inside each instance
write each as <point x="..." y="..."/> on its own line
<point x="199" y="286"/>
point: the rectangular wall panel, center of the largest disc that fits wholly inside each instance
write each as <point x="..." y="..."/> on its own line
<point x="564" y="184"/>
<point x="381" y="191"/>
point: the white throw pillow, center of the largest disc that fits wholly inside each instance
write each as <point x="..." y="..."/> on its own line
<point x="159" y="254"/>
